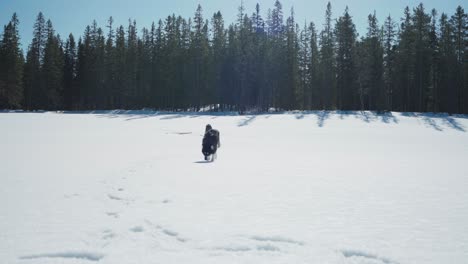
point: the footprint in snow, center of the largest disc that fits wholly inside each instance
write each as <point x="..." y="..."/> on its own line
<point x="173" y="234"/>
<point x="113" y="214"/>
<point x="84" y="255"/>
<point x="277" y="239"/>
<point x="108" y="234"/>
<point x="355" y="255"/>
<point x="113" y="197"/>
<point x="137" y="229"/>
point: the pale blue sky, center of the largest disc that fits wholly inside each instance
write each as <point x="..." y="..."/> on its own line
<point x="73" y="15"/>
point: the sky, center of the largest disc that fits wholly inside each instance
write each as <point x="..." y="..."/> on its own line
<point x="72" y="16"/>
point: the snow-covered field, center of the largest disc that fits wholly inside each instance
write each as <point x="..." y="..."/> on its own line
<point x="316" y="187"/>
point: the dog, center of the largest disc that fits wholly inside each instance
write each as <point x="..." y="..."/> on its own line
<point x="210" y="143"/>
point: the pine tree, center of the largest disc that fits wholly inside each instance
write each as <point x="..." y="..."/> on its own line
<point x="304" y="67"/>
<point x="200" y="45"/>
<point x="119" y="90"/>
<point x="421" y="22"/>
<point x="218" y="56"/>
<point x="447" y="74"/>
<point x="11" y="66"/>
<point x="372" y="73"/>
<point x="33" y="89"/>
<point x="52" y="70"/>
<point x="131" y="59"/>
<point x="405" y="61"/>
<point x="144" y="73"/>
<point x="327" y="63"/>
<point x="292" y="95"/>
<point x="69" y="74"/>
<point x="109" y="66"/>
<point x="345" y="62"/>
<point x="460" y="36"/>
<point x="433" y="103"/>
<point x="389" y="61"/>
<point x="314" y="70"/>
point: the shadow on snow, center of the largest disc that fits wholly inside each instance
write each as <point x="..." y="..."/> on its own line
<point x="436" y="121"/>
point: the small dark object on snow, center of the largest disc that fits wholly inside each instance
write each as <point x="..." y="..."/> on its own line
<point x="210" y="143"/>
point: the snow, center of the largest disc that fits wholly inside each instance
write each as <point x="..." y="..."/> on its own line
<point x="297" y="187"/>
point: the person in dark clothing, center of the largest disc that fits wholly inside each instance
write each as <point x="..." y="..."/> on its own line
<point x="210" y="143"/>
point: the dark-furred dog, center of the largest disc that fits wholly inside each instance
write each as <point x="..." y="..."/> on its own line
<point x="210" y="143"/>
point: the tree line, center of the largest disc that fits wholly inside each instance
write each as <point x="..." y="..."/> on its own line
<point x="417" y="64"/>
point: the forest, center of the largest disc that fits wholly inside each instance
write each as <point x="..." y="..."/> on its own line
<point x="263" y="61"/>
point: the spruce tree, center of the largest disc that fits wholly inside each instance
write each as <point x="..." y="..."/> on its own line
<point x="314" y="70"/>
<point x="448" y="58"/>
<point x="433" y="102"/>
<point x="460" y="36"/>
<point x="11" y="66"/>
<point x="327" y="63"/>
<point x="405" y="61"/>
<point x="69" y="74"/>
<point x="389" y="44"/>
<point x="218" y="56"/>
<point x="345" y="62"/>
<point x="33" y="89"/>
<point x="422" y="53"/>
<point x="110" y="65"/>
<point x="52" y="71"/>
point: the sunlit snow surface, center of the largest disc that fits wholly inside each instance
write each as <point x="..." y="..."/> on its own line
<point x="317" y="187"/>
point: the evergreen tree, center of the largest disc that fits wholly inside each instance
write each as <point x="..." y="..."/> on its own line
<point x="421" y="22"/>
<point x="33" y="90"/>
<point x="218" y="57"/>
<point x="327" y="63"/>
<point x="433" y="102"/>
<point x="11" y="66"/>
<point x="52" y="71"/>
<point x="119" y="90"/>
<point x="345" y="62"/>
<point x="292" y="94"/>
<point x="447" y="74"/>
<point x="304" y="67"/>
<point x="372" y="73"/>
<point x="199" y="49"/>
<point x="131" y="59"/>
<point x="109" y="66"/>
<point x="69" y="74"/>
<point x="405" y="61"/>
<point x="314" y="70"/>
<point x="460" y="36"/>
<point x="389" y="61"/>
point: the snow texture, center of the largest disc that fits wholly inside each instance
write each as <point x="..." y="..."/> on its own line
<point x="123" y="187"/>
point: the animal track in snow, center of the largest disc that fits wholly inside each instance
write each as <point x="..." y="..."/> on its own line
<point x="91" y="256"/>
<point x="113" y="214"/>
<point x="234" y="248"/>
<point x="364" y="255"/>
<point x="166" y="231"/>
<point x="277" y="239"/>
<point x="137" y="229"/>
<point x="173" y="234"/>
<point x="119" y="198"/>
<point x="113" y="197"/>
<point x="108" y="234"/>
<point x="69" y="196"/>
<point x="268" y="247"/>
